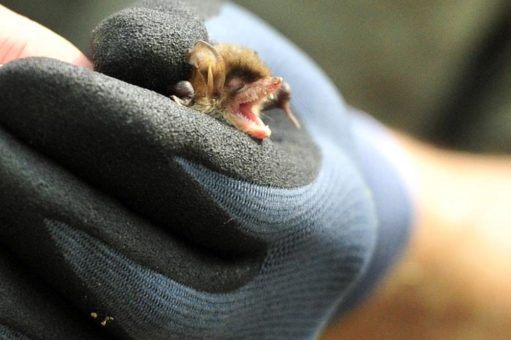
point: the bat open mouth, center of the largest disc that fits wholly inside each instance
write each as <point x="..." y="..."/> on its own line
<point x="246" y="105"/>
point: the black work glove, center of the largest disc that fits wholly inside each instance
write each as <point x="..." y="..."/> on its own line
<point x="155" y="221"/>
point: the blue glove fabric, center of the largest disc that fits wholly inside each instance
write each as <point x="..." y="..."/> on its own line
<point x="325" y="243"/>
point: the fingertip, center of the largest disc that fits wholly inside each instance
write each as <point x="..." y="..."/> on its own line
<point x="21" y="37"/>
<point x="83" y="61"/>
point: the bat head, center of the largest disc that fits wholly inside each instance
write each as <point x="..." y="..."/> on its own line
<point x="234" y="81"/>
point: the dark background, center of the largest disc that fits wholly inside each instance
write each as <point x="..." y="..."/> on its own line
<point x="440" y="70"/>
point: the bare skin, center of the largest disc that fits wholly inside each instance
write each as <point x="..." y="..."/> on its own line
<point x="21" y="37"/>
<point x="454" y="280"/>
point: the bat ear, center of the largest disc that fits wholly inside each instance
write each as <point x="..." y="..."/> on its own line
<point x="209" y="69"/>
<point x="203" y="53"/>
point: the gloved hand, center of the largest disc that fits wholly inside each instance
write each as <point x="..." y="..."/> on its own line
<point x="154" y="221"/>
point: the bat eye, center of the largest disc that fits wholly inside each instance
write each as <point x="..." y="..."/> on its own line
<point x="235" y="84"/>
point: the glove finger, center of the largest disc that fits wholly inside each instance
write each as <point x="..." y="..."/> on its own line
<point x="87" y="246"/>
<point x="128" y="141"/>
<point x="37" y="198"/>
<point x="147" y="46"/>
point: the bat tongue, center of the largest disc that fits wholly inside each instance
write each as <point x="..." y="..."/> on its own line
<point x="244" y="114"/>
<point x="249" y="122"/>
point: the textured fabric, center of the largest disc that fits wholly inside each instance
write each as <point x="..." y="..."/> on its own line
<point x="142" y="46"/>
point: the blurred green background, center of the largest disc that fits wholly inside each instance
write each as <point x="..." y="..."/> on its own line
<point x="438" y="69"/>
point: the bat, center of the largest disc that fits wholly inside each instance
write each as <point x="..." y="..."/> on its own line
<point x="232" y="83"/>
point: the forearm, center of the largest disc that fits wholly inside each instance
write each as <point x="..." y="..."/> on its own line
<point x="453" y="280"/>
